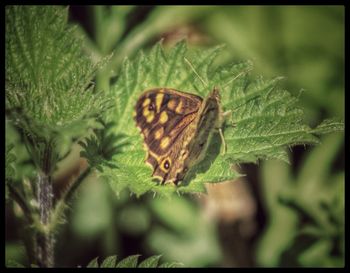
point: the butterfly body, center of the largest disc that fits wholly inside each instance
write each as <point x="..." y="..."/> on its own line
<point x="176" y="128"/>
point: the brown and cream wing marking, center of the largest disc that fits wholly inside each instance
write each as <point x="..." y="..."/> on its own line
<point x="162" y="115"/>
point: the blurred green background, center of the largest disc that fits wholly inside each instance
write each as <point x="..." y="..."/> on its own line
<point x="279" y="214"/>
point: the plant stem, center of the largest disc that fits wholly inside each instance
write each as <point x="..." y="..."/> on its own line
<point x="29" y="220"/>
<point x="18" y="198"/>
<point x="45" y="240"/>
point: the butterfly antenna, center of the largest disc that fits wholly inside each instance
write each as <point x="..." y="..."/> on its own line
<point x="240" y="74"/>
<point x="195" y="72"/>
<point x="251" y="99"/>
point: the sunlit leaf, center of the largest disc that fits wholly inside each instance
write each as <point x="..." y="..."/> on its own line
<point x="264" y="121"/>
<point x="48" y="76"/>
<point x="109" y="262"/>
<point x="150" y="262"/>
<point x="130" y="261"/>
<point x="93" y="263"/>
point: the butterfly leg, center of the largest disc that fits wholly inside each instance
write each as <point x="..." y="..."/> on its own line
<point x="226" y="114"/>
<point x="223" y="141"/>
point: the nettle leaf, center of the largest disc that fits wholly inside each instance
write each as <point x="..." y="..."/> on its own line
<point x="131" y="262"/>
<point x="128" y="262"/>
<point x="10" y="158"/>
<point x="328" y="126"/>
<point x="109" y="262"/>
<point x="171" y="265"/>
<point x="10" y="171"/>
<point x="150" y="262"/>
<point x="264" y="119"/>
<point x="93" y="263"/>
<point x="265" y="124"/>
<point x="48" y="76"/>
<point x="99" y="147"/>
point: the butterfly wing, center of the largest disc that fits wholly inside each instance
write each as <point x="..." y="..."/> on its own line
<point x="207" y="118"/>
<point x="163" y="116"/>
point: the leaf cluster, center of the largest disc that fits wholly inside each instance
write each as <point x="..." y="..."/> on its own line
<point x="101" y="146"/>
<point x="264" y="120"/>
<point x="48" y="76"/>
<point x="307" y="209"/>
<point x="131" y="262"/>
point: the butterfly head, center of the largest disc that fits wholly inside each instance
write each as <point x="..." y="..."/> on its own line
<point x="215" y="94"/>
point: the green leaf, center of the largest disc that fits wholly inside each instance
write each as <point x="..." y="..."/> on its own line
<point x="130" y="261"/>
<point x="266" y="124"/>
<point x="159" y="21"/>
<point x="329" y="126"/>
<point x="311" y="206"/>
<point x="93" y="263"/>
<point x="100" y="147"/>
<point x="275" y="177"/>
<point x="10" y="171"/>
<point x="92" y="201"/>
<point x="10" y="158"/>
<point x="315" y="254"/>
<point x="171" y="265"/>
<point x="184" y="219"/>
<point x="109" y="262"/>
<point x="150" y="262"/>
<point x="48" y="76"/>
<point x="264" y="119"/>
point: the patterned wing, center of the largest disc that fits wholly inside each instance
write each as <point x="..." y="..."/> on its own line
<point x="162" y="115"/>
<point x="191" y="145"/>
<point x="207" y="119"/>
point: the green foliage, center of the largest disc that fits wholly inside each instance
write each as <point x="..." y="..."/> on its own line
<point x="264" y="120"/>
<point x="10" y="158"/>
<point x="328" y="126"/>
<point x="109" y="262"/>
<point x="111" y="28"/>
<point x="134" y="219"/>
<point x="15" y="255"/>
<point x="100" y="147"/>
<point x="279" y="43"/>
<point x="306" y="213"/>
<point x="14" y="264"/>
<point x="131" y="262"/>
<point x="48" y="77"/>
<point x="93" y="203"/>
<point x="50" y="100"/>
<point x="49" y="94"/>
<point x="183" y="233"/>
<point x="22" y="164"/>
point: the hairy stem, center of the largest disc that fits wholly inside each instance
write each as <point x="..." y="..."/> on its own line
<point x="45" y="240"/>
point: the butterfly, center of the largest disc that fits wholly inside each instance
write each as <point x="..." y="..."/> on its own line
<point x="176" y="128"/>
